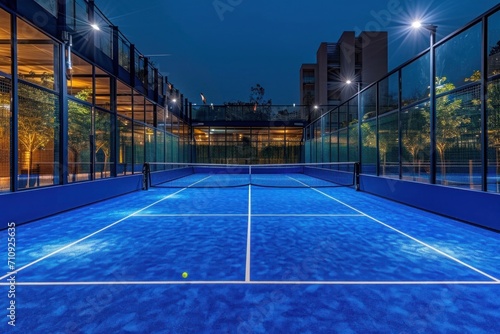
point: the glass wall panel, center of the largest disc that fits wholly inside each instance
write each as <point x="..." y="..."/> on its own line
<point x="123" y="99"/>
<point x="494" y="44"/>
<point x="102" y="144"/>
<point x="238" y="146"/>
<point x="494" y="136"/>
<point x="103" y="38"/>
<point x="139" y="146"/>
<point x="493" y="105"/>
<point x="160" y="118"/>
<point x="102" y="89"/>
<point x="326" y="148"/>
<point x="125" y="146"/>
<point x="79" y="139"/>
<point x="38" y="56"/>
<point x="150" y="113"/>
<point x="415" y="79"/>
<point x="124" y="53"/>
<point x="38" y="136"/>
<point x="318" y="140"/>
<point x="334" y="142"/>
<point x="368" y="132"/>
<point x="139" y="107"/>
<point x="5" y="132"/>
<point x="79" y="79"/>
<point x="343" y="142"/>
<point x="415" y="137"/>
<point x="293" y="145"/>
<point x="160" y="146"/>
<point x="150" y="144"/>
<point x="202" y="147"/>
<point x="5" y="48"/>
<point x="174" y="124"/>
<point x="77" y="14"/>
<point x="368" y="104"/>
<point x="368" y="145"/>
<point x="458" y="133"/>
<point x="307" y="151"/>
<point x="388" y="95"/>
<point x="343" y="116"/>
<point x="452" y="71"/>
<point x="353" y="133"/>
<point x="175" y="149"/>
<point x="49" y="5"/>
<point x="388" y="145"/>
<point x="168" y="147"/>
<point x="276" y="146"/>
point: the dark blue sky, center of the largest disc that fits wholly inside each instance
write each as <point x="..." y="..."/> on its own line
<point x="223" y="47"/>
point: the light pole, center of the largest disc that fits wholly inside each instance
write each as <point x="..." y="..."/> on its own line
<point x="360" y="144"/>
<point x="432" y="95"/>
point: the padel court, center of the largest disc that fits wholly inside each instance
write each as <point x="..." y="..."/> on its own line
<point x="255" y="259"/>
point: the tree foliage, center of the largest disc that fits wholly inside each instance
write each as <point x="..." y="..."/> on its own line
<point x="37" y="123"/>
<point x="449" y="122"/>
<point x="257" y="94"/>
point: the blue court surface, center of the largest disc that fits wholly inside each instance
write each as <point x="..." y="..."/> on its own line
<point x="259" y="260"/>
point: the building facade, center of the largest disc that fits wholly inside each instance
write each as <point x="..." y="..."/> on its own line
<point x="361" y="59"/>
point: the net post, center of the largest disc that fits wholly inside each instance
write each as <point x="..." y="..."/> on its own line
<point x="356" y="175"/>
<point x="146" y="176"/>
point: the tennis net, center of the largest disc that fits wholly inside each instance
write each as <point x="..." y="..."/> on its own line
<point x="186" y="175"/>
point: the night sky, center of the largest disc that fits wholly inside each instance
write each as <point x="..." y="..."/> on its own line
<point x="224" y="47"/>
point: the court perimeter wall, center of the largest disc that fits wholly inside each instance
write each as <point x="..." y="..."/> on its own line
<point x="25" y="206"/>
<point x="475" y="207"/>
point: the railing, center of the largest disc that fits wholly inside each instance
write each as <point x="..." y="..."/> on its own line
<point x="250" y="112"/>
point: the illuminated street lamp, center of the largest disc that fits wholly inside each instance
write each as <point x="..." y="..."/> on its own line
<point x="358" y="96"/>
<point x="432" y="96"/>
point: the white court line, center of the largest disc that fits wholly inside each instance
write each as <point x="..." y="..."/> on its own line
<point x="90" y="235"/>
<point x="186" y="282"/>
<point x="407" y="235"/>
<point x="304" y="215"/>
<point x="249" y="231"/>
<point x="246" y="214"/>
<point x="193" y="215"/>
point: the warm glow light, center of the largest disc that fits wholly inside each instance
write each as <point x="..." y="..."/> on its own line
<point x="95" y="26"/>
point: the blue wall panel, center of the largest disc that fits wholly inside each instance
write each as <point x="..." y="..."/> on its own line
<point x="471" y="206"/>
<point x="25" y="206"/>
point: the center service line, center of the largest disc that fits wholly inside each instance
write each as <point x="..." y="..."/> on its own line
<point x="249" y="231"/>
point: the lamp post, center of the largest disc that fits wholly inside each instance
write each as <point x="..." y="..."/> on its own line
<point x="360" y="143"/>
<point x="432" y="95"/>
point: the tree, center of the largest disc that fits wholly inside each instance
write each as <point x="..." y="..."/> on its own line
<point x="102" y="136"/>
<point x="448" y="121"/>
<point x="257" y="93"/>
<point x="415" y="135"/>
<point x="79" y="128"/>
<point x="492" y="105"/>
<point x="37" y="123"/>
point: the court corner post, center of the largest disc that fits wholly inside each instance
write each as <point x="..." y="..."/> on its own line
<point x="357" y="169"/>
<point x="146" y="176"/>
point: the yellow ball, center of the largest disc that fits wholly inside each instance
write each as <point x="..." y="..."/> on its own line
<point x="184" y="275"/>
